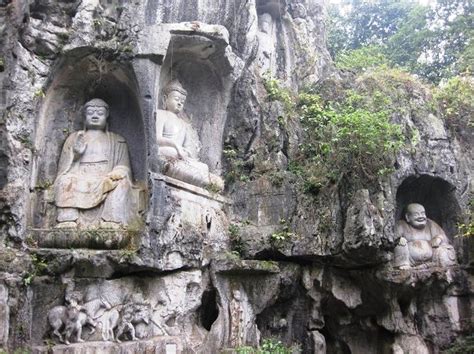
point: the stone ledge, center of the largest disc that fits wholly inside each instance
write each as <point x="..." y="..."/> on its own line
<point x="192" y="189"/>
<point x="244" y="266"/>
<point x="89" y="238"/>
<point x="158" y="345"/>
<point x="420" y="274"/>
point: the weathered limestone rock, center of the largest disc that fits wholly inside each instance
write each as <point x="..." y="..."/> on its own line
<point x="207" y="271"/>
<point x="4" y="316"/>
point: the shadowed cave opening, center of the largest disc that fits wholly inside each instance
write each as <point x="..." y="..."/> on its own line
<point x="273" y="7"/>
<point x="441" y="204"/>
<point x="436" y="195"/>
<point x="208" y="310"/>
<point x="3" y="169"/>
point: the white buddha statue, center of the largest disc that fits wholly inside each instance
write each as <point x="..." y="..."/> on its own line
<point x="266" y="46"/>
<point x="93" y="186"/>
<point x="179" y="143"/>
<point x="422" y="241"/>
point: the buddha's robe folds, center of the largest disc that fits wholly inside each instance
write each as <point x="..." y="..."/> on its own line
<point x="186" y="168"/>
<point x="84" y="183"/>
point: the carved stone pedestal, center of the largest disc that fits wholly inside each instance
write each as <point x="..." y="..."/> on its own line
<point x="191" y="221"/>
<point x="158" y="345"/>
<point x="107" y="239"/>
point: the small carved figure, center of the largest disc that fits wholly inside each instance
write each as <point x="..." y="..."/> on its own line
<point x="93" y="185"/>
<point x="236" y="337"/>
<point x="299" y="11"/>
<point x="266" y="46"/>
<point x="178" y="142"/>
<point x="77" y="318"/>
<point x="131" y="315"/>
<point x="70" y="319"/>
<point x="57" y="318"/>
<point x="422" y="241"/>
<point x="110" y="321"/>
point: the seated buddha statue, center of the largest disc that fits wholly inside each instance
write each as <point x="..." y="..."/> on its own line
<point x="422" y="241"/>
<point x="93" y="186"/>
<point x="178" y="142"/>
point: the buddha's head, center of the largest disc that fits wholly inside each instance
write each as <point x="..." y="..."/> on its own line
<point x="416" y="215"/>
<point x="265" y="22"/>
<point x="174" y="97"/>
<point x="236" y="295"/>
<point x="96" y="112"/>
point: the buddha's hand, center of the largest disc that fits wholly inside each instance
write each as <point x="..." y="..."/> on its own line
<point x="181" y="153"/>
<point x="117" y="174"/>
<point x="436" y="241"/>
<point x="403" y="241"/>
<point x="79" y="145"/>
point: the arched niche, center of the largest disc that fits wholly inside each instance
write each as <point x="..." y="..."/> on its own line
<point x="276" y="8"/>
<point x="436" y="195"/>
<point x="201" y="65"/>
<point x="80" y="77"/>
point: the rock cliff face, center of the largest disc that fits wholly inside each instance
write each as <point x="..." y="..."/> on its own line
<point x="205" y="271"/>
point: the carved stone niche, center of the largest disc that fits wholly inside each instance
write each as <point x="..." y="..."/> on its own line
<point x="189" y="213"/>
<point x="437" y="198"/>
<point x="128" y="314"/>
<point x="202" y="65"/>
<point x="276" y="8"/>
<point x="83" y="76"/>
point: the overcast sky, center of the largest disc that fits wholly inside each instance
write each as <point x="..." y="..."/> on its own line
<point x="424" y="2"/>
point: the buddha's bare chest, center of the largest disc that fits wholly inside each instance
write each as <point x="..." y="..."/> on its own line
<point x="97" y="149"/>
<point x="174" y="129"/>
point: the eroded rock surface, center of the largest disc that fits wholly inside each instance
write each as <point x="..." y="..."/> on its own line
<point x="203" y="269"/>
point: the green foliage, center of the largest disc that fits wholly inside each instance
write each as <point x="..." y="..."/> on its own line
<point x="39" y="94"/>
<point x="277" y="93"/>
<point x="452" y="25"/>
<point x="273" y="346"/>
<point x="407" y="44"/>
<point x="462" y="346"/>
<point x="43" y="185"/>
<point x="433" y="42"/>
<point x="365" y="23"/>
<point x="361" y="59"/>
<point x="236" y="170"/>
<point x="456" y="103"/>
<point x="213" y="188"/>
<point x="456" y="99"/>
<point x="276" y="178"/>
<point x="284" y="234"/>
<point x="39" y="265"/>
<point x="234" y="230"/>
<point x="466" y="229"/>
<point x="346" y="138"/>
<point x="237" y="244"/>
<point x="269" y="346"/>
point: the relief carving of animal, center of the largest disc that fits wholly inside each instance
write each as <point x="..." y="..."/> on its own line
<point x="131" y="316"/>
<point x="67" y="321"/>
<point x="57" y="319"/>
<point x="77" y="318"/>
<point x="110" y="320"/>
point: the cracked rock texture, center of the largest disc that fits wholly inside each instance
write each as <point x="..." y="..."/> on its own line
<point x="203" y="269"/>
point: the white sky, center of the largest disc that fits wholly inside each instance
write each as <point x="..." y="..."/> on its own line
<point x="423" y="2"/>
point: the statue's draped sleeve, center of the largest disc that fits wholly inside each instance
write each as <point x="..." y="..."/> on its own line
<point x="120" y="159"/>
<point x="436" y="230"/>
<point x="67" y="155"/>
